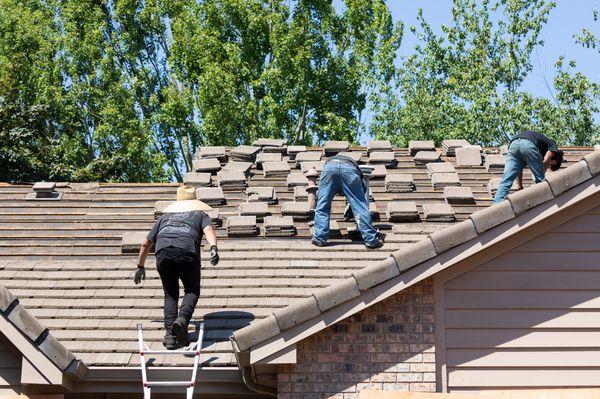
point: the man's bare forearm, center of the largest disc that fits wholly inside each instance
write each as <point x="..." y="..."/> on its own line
<point x="144" y="249"/>
<point x="520" y="180"/>
<point x="211" y="236"/>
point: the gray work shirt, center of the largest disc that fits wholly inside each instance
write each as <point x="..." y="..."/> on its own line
<point x="181" y="230"/>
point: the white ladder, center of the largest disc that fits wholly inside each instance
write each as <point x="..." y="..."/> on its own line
<point x="193" y="349"/>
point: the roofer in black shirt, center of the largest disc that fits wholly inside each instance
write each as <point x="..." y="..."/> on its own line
<point x="176" y="236"/>
<point x="531" y="149"/>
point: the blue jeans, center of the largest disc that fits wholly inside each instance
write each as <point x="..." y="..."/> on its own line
<point x="340" y="177"/>
<point x="521" y="153"/>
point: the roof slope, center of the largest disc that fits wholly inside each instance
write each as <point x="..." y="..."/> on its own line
<point x="63" y="259"/>
<point x="429" y="248"/>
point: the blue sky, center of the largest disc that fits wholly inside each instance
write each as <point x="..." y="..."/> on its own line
<point x="566" y="19"/>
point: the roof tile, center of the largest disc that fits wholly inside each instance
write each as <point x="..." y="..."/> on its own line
<point x="593" y="162"/>
<point x="468" y="156"/>
<point x="414" y="254"/>
<point x="197" y="179"/>
<point x="423" y="157"/>
<point x="415" y="146"/>
<point x="256" y="332"/>
<point x="494" y="162"/>
<point x="56" y="352"/>
<point x="454" y="235"/>
<point x="444" y="179"/>
<point x="459" y="195"/>
<point x="332" y="147"/>
<point x="268" y="157"/>
<point x="309" y="156"/>
<point x="492" y="216"/>
<point x="377" y="273"/>
<point x="212" y="152"/>
<point x="449" y="146"/>
<point x="6" y="298"/>
<point x="355" y="155"/>
<point x="441" y="167"/>
<point x="296" y="313"/>
<point x="337" y="293"/>
<point x="296" y="179"/>
<point x="529" y="197"/>
<point x="25" y="322"/>
<point x="564" y="179"/>
<point x="206" y="165"/>
<point x="379" y="145"/>
<point x="439" y="212"/>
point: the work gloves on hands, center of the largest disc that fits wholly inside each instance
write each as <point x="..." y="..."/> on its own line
<point x="140" y="275"/>
<point x="214" y="255"/>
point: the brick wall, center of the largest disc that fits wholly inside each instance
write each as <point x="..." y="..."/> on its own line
<point x="389" y="346"/>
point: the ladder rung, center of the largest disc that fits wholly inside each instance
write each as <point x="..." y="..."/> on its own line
<point x="168" y="383"/>
<point x="170" y="353"/>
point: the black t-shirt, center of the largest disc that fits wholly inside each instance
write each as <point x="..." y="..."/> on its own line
<point x="181" y="230"/>
<point x="543" y="143"/>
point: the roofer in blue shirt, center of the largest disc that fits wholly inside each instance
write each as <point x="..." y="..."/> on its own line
<point x="177" y="236"/>
<point x="341" y="175"/>
<point x="531" y="149"/>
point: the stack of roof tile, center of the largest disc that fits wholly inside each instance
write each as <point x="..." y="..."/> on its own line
<point x="233" y="180"/>
<point x="468" y="156"/>
<point x="294" y="150"/>
<point x="257" y="209"/>
<point x="238" y="166"/>
<point x="276" y="169"/>
<point x="386" y="158"/>
<point x="378" y="145"/>
<point x="399" y="183"/>
<point x="402" y="211"/>
<point x="493" y="185"/>
<point x="425" y="157"/>
<point x="334" y="229"/>
<point x="438" y="213"/>
<point x="212" y="196"/>
<point x="245" y="153"/>
<point x="494" y="162"/>
<point x="279" y="226"/>
<point x="414" y="146"/>
<point x="300" y="211"/>
<point x="241" y="226"/>
<point x="306" y="166"/>
<point x="271" y="145"/>
<point x="261" y="194"/>
<point x="308" y="156"/>
<point x="334" y="147"/>
<point x="459" y="195"/>
<point x="215" y="217"/>
<point x="449" y="146"/>
<point x="300" y="194"/>
<point x="197" y="179"/>
<point x="267" y="157"/>
<point x="296" y="179"/>
<point x="209" y="165"/>
<point x="212" y="152"/>
<point x="442" y="174"/>
<point x="355" y="155"/>
<point x="379" y="172"/>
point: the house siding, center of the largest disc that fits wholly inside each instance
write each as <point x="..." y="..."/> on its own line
<point x="10" y="368"/>
<point x="530" y="317"/>
<point x="389" y="346"/>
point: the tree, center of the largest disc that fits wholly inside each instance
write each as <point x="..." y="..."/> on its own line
<point x="586" y="38"/>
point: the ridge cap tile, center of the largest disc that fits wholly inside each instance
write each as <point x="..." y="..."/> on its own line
<point x="414" y="254"/>
<point x="378" y="273"/>
<point x="56" y="352"/>
<point x="6" y="298"/>
<point x="565" y="179"/>
<point x="337" y="293"/>
<point x="452" y="236"/>
<point x="593" y="162"/>
<point x="492" y="216"/>
<point x="297" y="312"/>
<point x="530" y="197"/>
<point x="26" y="322"/>
<point x="257" y="332"/>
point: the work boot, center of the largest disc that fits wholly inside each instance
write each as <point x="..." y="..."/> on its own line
<point x="180" y="329"/>
<point x="318" y="243"/>
<point x="375" y="244"/>
<point x="170" y="341"/>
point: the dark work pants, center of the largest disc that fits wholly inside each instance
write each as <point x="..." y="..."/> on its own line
<point x="174" y="264"/>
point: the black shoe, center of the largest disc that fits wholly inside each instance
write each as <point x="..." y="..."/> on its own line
<point x="180" y="329"/>
<point x="170" y="342"/>
<point x="318" y="243"/>
<point x="374" y="245"/>
<point x="381" y="236"/>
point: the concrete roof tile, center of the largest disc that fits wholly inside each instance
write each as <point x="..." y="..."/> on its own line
<point x="414" y="254"/>
<point x="268" y="157"/>
<point x="567" y="178"/>
<point x="377" y="273"/>
<point x="492" y="216"/>
<point x="415" y="146"/>
<point x="212" y="152"/>
<point x="451" y="236"/>
<point x="427" y="156"/>
<point x="335" y="146"/>
<point x="206" y="165"/>
<point x="295" y="149"/>
<point x="468" y="156"/>
<point x="6" y="298"/>
<point x="309" y="156"/>
<point x="267" y="142"/>
<point x="379" y="145"/>
<point x="440" y="167"/>
<point x="200" y="179"/>
<point x="337" y="293"/>
<point x="593" y="162"/>
<point x="238" y="165"/>
<point x="56" y="352"/>
<point x="26" y="323"/>
<point x="296" y="179"/>
<point x="529" y="197"/>
<point x="296" y="313"/>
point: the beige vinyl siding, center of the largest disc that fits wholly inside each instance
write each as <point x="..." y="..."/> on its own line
<point x="531" y="317"/>
<point x="10" y="368"/>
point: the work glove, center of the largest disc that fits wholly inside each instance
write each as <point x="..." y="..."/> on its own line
<point x="214" y="255"/>
<point x="140" y="275"/>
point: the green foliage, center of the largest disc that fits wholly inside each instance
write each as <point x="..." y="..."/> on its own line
<point x="586" y="38"/>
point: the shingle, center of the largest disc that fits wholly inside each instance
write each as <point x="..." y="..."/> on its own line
<point x="300" y="194"/>
<point x="468" y="156"/>
<point x="459" y="195"/>
<point x="423" y="157"/>
<point x="376" y="273"/>
<point x="206" y="165"/>
<point x="414" y="146"/>
<point x="379" y="145"/>
<point x="241" y="225"/>
<point x="259" y="209"/>
<point x="449" y="237"/>
<point x="414" y="254"/>
<point x="438" y="212"/>
<point x="333" y="147"/>
<point x="232" y="180"/>
<point x="279" y="226"/>
<point x="298" y="210"/>
<point x="245" y="151"/>
<point x="492" y="216"/>
<point x="296" y="313"/>
<point x="565" y="179"/>
<point x="267" y="142"/>
<point x="197" y="179"/>
<point x="293" y="151"/>
<point x="257" y="332"/>
<point x="529" y="197"/>
<point x="296" y="179"/>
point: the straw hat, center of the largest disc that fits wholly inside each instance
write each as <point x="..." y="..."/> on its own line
<point x="186" y="201"/>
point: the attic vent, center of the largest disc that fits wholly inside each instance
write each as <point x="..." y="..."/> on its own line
<point x="44" y="191"/>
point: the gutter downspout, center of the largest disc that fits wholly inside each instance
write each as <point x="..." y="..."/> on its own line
<point x="247" y="374"/>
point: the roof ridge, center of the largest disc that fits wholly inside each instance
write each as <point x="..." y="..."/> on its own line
<point x="435" y="244"/>
<point x="31" y="327"/>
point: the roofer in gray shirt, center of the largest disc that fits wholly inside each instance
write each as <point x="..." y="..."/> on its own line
<point x="176" y="236"/>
